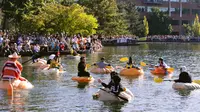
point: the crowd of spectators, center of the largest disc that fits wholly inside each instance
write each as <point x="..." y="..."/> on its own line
<point x="172" y="38"/>
<point x="123" y="39"/>
<point x="34" y="42"/>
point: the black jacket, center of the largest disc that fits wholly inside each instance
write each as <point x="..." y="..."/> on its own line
<point x="81" y="70"/>
<point x="184" y="77"/>
<point x="114" y="87"/>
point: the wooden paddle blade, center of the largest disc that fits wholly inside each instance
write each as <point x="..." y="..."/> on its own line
<point x="108" y="67"/>
<point x="124" y="59"/>
<point x="143" y="64"/>
<point x="196" y="81"/>
<point x="170" y="69"/>
<point x="158" y="80"/>
<point x="88" y="65"/>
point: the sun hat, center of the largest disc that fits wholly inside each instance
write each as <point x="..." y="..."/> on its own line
<point x="52" y="56"/>
<point x="14" y="55"/>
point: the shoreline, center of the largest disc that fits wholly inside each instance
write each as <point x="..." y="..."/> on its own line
<point x="170" y="41"/>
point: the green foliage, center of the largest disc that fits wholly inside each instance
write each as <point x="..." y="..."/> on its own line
<point x="196" y="26"/>
<point x="188" y="29"/>
<point x="111" y="22"/>
<point x="56" y="18"/>
<point x="159" y="23"/>
<point x="78" y="21"/>
<point x="13" y="11"/>
<point x="135" y="25"/>
<point x="146" y="26"/>
<point x="170" y="29"/>
<point x="193" y="29"/>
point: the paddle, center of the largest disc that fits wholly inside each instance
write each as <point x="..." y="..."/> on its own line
<point x="160" y="80"/>
<point x="115" y="94"/>
<point x="26" y="61"/>
<point x="35" y="56"/>
<point x="144" y="64"/>
<point x="123" y="59"/>
<point x="89" y="65"/>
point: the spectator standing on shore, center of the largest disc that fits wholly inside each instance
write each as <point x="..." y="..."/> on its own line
<point x="1" y="43"/>
<point x="36" y="48"/>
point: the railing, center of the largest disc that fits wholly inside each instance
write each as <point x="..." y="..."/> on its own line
<point x="153" y="1"/>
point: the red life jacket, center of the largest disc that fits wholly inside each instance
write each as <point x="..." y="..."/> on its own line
<point x="11" y="70"/>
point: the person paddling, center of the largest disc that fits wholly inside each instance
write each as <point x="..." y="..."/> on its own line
<point x="130" y="64"/>
<point x="82" y="69"/>
<point x="55" y="63"/>
<point x="184" y="76"/>
<point x="12" y="68"/>
<point x="51" y="57"/>
<point x="35" y="57"/>
<point x="162" y="64"/>
<point x="102" y="63"/>
<point x="114" y="85"/>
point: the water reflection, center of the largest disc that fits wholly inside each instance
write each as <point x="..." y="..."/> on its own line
<point x="82" y="85"/>
<point x="16" y="102"/>
<point x="183" y="92"/>
<point x="60" y="93"/>
<point x="114" y="106"/>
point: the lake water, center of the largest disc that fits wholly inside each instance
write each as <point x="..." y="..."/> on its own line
<point x="61" y="94"/>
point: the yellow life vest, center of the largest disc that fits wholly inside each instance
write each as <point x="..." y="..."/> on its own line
<point x="129" y="66"/>
<point x="54" y="64"/>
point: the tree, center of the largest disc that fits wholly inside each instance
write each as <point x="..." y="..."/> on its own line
<point x="13" y="10"/>
<point x="111" y="22"/>
<point x="188" y="29"/>
<point x="196" y="26"/>
<point x="132" y="16"/>
<point x="77" y="21"/>
<point x="146" y="26"/>
<point x="67" y="2"/>
<point x="159" y="23"/>
<point x="56" y="18"/>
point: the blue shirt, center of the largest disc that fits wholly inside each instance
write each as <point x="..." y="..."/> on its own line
<point x="102" y="64"/>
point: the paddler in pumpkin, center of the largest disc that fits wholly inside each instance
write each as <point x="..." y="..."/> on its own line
<point x="184" y="76"/>
<point x="55" y="63"/>
<point x="82" y="68"/>
<point x="115" y="84"/>
<point x="12" y="68"/>
<point x="130" y="64"/>
<point x="162" y="64"/>
<point x="102" y="63"/>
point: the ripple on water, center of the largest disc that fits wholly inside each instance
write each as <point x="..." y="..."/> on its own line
<point x="59" y="93"/>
